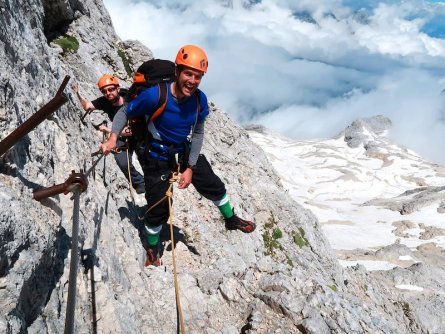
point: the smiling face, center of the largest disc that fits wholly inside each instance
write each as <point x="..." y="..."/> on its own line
<point x="111" y="93"/>
<point x="187" y="82"/>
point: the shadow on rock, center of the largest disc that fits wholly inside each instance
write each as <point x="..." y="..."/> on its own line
<point x="37" y="289"/>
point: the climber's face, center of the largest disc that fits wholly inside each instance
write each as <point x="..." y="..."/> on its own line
<point x="111" y="92"/>
<point x="188" y="82"/>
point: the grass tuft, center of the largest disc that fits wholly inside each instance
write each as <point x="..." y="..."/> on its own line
<point x="68" y="43"/>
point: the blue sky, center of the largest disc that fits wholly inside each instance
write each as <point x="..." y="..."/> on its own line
<point x="308" y="68"/>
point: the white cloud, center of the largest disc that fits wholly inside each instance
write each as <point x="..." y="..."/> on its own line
<point x="306" y="68"/>
<point x="415" y="106"/>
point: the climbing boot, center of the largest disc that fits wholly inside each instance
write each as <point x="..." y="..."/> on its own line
<point x="236" y="223"/>
<point x="153" y="256"/>
<point x="140" y="188"/>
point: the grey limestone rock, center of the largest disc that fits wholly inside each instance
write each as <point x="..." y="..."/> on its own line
<point x="412" y="200"/>
<point x="366" y="131"/>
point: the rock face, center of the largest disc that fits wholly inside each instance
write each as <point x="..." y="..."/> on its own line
<point x="284" y="277"/>
<point x="366" y="131"/>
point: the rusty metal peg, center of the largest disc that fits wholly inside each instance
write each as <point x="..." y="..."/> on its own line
<point x="75" y="179"/>
<point x="38" y="117"/>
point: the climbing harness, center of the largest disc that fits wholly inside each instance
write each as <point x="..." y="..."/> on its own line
<point x="160" y="151"/>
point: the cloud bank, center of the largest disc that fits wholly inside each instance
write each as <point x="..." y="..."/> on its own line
<point x="306" y="69"/>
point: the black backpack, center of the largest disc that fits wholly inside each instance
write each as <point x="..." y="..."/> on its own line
<point x="152" y="72"/>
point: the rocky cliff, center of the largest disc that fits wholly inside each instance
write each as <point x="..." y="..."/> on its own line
<point x="283" y="278"/>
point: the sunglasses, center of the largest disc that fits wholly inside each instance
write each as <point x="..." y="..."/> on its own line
<point x="108" y="90"/>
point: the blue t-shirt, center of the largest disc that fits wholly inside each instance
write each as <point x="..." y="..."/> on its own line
<point x="177" y="119"/>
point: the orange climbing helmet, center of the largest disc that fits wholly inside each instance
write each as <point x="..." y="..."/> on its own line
<point x="107" y="80"/>
<point x="192" y="56"/>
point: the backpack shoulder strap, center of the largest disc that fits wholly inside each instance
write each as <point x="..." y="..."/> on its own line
<point x="198" y="104"/>
<point x="198" y="100"/>
<point x="162" y="101"/>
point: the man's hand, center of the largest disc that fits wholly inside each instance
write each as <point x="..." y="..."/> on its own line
<point x="105" y="129"/>
<point x="86" y="105"/>
<point x="185" y="179"/>
<point x="109" y="145"/>
<point x="126" y="132"/>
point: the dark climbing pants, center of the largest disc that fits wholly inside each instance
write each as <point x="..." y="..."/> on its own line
<point x="157" y="175"/>
<point x="122" y="163"/>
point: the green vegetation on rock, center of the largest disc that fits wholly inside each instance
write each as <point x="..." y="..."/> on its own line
<point x="125" y="61"/>
<point x="68" y="43"/>
<point x="299" y="238"/>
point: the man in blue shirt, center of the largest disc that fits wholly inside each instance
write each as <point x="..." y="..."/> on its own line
<point x="169" y="127"/>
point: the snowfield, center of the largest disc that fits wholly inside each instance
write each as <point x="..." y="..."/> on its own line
<point x="359" y="195"/>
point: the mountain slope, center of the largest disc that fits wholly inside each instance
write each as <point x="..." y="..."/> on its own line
<point x="380" y="205"/>
<point x="282" y="278"/>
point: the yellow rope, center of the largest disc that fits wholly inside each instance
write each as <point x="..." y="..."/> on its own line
<point x="151" y="207"/>
<point x="175" y="177"/>
<point x="169" y="194"/>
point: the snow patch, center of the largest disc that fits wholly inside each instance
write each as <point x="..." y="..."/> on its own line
<point x="409" y="287"/>
<point x="334" y="181"/>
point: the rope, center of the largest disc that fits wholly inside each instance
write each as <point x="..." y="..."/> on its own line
<point x="163" y="178"/>
<point x="169" y="194"/>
